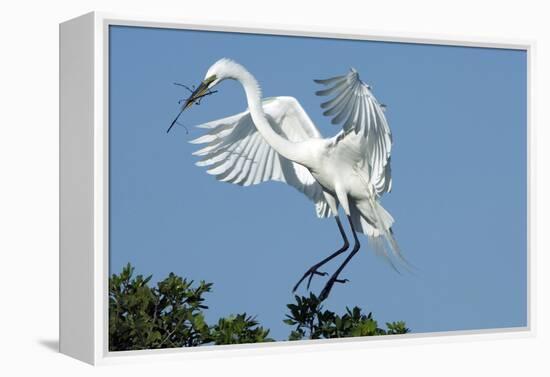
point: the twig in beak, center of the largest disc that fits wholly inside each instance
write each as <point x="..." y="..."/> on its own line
<point x="183" y="125"/>
<point x="191" y="100"/>
<point x="175" y="120"/>
<point x="185" y="86"/>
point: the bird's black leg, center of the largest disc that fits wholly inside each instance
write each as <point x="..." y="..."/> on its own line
<point x="334" y="278"/>
<point x="313" y="270"/>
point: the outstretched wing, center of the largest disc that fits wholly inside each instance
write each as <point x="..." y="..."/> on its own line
<point x="365" y="131"/>
<point x="235" y="152"/>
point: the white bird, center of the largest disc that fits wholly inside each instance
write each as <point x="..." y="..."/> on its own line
<point x="274" y="139"/>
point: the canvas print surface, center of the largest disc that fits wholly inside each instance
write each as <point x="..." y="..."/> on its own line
<point x="271" y="188"/>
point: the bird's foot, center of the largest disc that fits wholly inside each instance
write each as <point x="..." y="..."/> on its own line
<point x="328" y="286"/>
<point x="309" y="273"/>
<point x="314" y="273"/>
<point x="342" y="281"/>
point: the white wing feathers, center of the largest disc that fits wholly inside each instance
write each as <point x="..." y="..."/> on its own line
<point x="366" y="137"/>
<point x="364" y="127"/>
<point x="234" y="151"/>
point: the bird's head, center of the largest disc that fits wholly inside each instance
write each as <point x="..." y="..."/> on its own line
<point x="221" y="70"/>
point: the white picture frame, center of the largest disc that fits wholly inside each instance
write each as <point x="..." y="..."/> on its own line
<point x="84" y="189"/>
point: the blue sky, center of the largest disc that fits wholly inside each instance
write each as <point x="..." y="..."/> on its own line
<point x="458" y="116"/>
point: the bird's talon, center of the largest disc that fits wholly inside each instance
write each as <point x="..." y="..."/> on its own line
<point x="314" y="272"/>
<point x="309" y="275"/>
<point x="342" y="281"/>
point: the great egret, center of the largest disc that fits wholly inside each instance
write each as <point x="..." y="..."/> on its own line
<point x="274" y="139"/>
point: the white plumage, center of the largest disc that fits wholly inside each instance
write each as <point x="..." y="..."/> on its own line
<point x="235" y="152"/>
<point x="365" y="129"/>
<point x="274" y="139"/>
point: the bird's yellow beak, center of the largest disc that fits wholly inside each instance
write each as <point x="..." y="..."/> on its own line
<point x="199" y="92"/>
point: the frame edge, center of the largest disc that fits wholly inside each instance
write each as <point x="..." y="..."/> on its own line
<point x="76" y="194"/>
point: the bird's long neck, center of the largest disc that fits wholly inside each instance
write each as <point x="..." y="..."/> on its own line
<point x="283" y="146"/>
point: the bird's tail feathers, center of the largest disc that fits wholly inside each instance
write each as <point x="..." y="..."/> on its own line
<point x="369" y="217"/>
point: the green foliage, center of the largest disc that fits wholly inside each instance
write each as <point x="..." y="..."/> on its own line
<point x="171" y="314"/>
<point x="237" y="330"/>
<point x="310" y="321"/>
